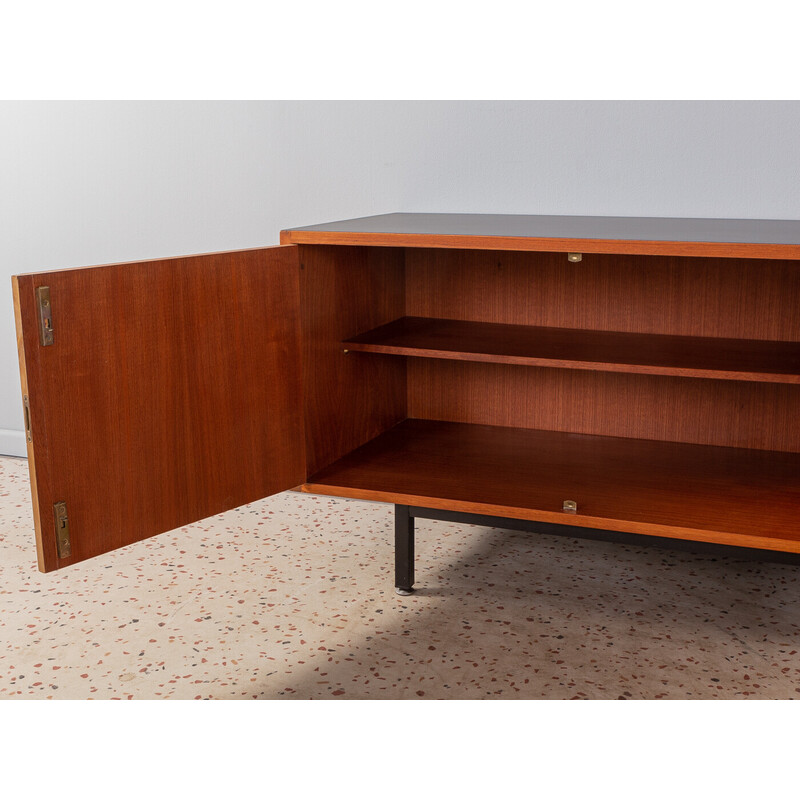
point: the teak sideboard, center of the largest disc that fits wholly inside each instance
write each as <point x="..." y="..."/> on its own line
<point x="634" y="375"/>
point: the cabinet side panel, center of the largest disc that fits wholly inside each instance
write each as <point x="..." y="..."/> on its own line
<point x="349" y="398"/>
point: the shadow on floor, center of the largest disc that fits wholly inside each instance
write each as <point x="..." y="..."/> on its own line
<point x="509" y="614"/>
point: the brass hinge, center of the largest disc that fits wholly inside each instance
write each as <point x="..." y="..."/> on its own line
<point x="62" y="530"/>
<point x="45" y="315"/>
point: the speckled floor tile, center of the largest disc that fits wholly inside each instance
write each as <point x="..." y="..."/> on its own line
<point x="292" y="597"/>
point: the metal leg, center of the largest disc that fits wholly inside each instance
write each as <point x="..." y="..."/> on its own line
<point x="403" y="551"/>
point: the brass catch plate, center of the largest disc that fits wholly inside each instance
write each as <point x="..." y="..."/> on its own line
<point x="26" y="407"/>
<point x="45" y="315"/>
<point x="62" y="530"/>
<point x="570" y="507"/>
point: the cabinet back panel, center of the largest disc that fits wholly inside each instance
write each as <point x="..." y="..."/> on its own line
<point x="727" y="413"/>
<point x="348" y="400"/>
<point x="722" y="297"/>
<point x="718" y="297"/>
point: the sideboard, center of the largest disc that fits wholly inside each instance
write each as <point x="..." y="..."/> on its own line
<point x="636" y="375"/>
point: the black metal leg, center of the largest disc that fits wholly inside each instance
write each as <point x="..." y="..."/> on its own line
<point x="403" y="550"/>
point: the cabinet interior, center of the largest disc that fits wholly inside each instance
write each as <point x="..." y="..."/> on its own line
<point x="658" y="393"/>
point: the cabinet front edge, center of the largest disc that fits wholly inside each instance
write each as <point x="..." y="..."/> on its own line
<point x="552" y="245"/>
<point x="558" y="517"/>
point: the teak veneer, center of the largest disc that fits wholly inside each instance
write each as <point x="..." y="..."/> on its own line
<point x="509" y="472"/>
<point x="451" y="364"/>
<point x="605" y="351"/>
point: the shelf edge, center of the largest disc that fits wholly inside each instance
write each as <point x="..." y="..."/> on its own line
<point x="591" y="366"/>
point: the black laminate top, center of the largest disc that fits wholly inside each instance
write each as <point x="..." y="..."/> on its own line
<point x="668" y="229"/>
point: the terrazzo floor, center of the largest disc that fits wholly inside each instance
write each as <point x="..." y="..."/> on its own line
<point x="292" y="597"/>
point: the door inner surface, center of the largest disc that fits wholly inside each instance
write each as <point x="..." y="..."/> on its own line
<point x="171" y="391"/>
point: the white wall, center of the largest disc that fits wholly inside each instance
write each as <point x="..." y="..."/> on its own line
<point x="87" y="183"/>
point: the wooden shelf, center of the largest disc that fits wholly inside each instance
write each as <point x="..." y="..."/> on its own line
<point x="715" y="494"/>
<point x="607" y="351"/>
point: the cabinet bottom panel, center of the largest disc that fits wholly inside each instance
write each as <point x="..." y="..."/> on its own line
<point x="749" y="498"/>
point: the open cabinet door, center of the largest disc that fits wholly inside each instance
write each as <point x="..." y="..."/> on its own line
<point x="158" y="393"/>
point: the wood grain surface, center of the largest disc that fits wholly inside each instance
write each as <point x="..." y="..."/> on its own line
<point x="172" y="392"/>
<point x="692" y="410"/>
<point x="609" y="351"/>
<point x="714" y="494"/>
<point x="729" y="298"/>
<point x="738" y="299"/>
<point x="348" y="400"/>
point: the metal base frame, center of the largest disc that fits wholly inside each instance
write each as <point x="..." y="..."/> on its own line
<point x="404" y="517"/>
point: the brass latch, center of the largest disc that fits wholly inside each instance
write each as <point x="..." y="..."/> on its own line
<point x="574" y="257"/>
<point x="45" y="315"/>
<point x="62" y="530"/>
<point x="570" y="507"/>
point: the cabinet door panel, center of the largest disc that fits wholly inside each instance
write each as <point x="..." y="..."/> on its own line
<point x="171" y="392"/>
